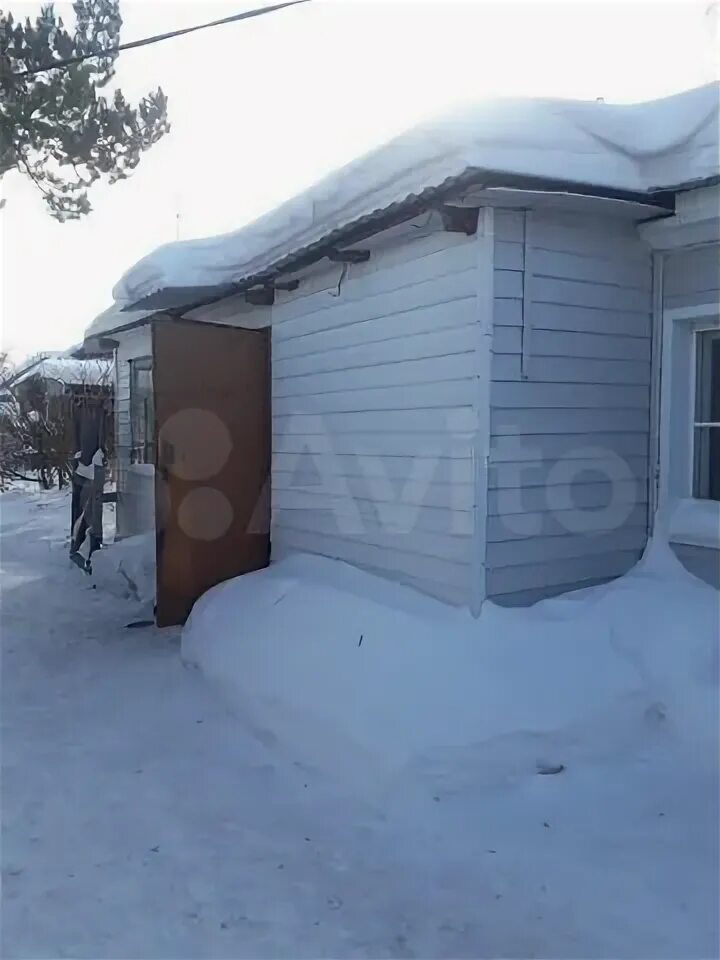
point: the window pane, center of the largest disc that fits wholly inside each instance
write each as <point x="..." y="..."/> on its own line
<point x="707" y="393"/>
<point x="706" y="465"/>
<point x="142" y="414"/>
<point x="706" y="481"/>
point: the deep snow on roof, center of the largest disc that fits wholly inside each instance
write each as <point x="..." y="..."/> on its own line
<point x="641" y="148"/>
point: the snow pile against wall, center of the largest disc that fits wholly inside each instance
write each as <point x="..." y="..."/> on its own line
<point x="126" y="569"/>
<point x="640" y="147"/>
<point x="365" y="677"/>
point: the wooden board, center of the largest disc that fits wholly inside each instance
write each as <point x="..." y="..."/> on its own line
<point x="212" y="407"/>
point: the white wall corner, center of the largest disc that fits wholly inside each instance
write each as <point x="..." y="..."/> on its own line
<point x="485" y="266"/>
<point x="696" y="221"/>
<point x="655" y="477"/>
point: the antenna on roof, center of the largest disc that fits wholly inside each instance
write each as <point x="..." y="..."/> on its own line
<point x="178" y="216"/>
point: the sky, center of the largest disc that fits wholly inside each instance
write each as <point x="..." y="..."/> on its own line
<point x="262" y="108"/>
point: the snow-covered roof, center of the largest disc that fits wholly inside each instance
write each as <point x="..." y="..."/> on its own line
<point x="639" y="149"/>
<point x="67" y="370"/>
<point x="111" y="319"/>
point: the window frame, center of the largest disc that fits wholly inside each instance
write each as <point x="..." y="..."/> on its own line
<point x="686" y="518"/>
<point x="143" y="363"/>
<point x="698" y="332"/>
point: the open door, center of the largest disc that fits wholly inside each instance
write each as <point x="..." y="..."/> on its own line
<point x="211" y="388"/>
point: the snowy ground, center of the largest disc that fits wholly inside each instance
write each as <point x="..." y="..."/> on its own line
<point x="142" y="818"/>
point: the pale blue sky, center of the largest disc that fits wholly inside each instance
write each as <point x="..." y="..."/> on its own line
<point x="262" y="108"/>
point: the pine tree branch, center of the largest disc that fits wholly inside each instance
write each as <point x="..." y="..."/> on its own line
<point x="134" y="44"/>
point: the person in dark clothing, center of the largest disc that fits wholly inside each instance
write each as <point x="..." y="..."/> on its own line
<point x="88" y="482"/>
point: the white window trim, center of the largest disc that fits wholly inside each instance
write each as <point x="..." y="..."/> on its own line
<point x="683" y="518"/>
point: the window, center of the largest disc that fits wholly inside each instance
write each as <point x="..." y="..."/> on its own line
<point x="706" y="433"/>
<point x="142" y="412"/>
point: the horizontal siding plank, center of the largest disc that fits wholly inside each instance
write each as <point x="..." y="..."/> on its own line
<point x="431" y="395"/>
<point x="311" y="468"/>
<point x="434" y="321"/>
<point x="412" y="241"/>
<point x="415" y="374"/>
<point x="508" y="284"/>
<point x="394" y="249"/>
<point x="508" y="312"/>
<point x="286" y="494"/>
<point x="361" y="285"/>
<point x="553" y="316"/>
<point x="507" y="339"/>
<point x="508" y="256"/>
<point x="692" y="271"/>
<point x="391" y="517"/>
<point x="568" y="397"/>
<point x="555" y="343"/>
<point x="520" y="422"/>
<point x="509" y="225"/>
<point x="595" y="269"/>
<point x="584" y="496"/>
<point x="445" y="546"/>
<point x="421" y="295"/>
<point x="580" y="294"/>
<point x="692" y="299"/>
<point x="529" y="525"/>
<point x="510" y="579"/>
<point x="589" y="236"/>
<point x="547" y="549"/>
<point x="507" y="367"/>
<point x="400" y="446"/>
<point x="444" y="421"/>
<point x="368" y="555"/>
<point x="530" y="473"/>
<point x="514" y="449"/>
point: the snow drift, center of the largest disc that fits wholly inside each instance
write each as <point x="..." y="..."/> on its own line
<point x="126" y="569"/>
<point x="364" y="677"/>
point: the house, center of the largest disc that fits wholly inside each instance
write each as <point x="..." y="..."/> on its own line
<point x="686" y="258"/>
<point x="55" y="374"/>
<point x="469" y="332"/>
<point x="47" y="406"/>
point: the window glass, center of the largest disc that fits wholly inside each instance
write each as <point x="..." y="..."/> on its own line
<point x="142" y="413"/>
<point x="706" y="461"/>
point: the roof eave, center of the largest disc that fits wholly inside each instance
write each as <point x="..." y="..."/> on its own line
<point x="362" y="228"/>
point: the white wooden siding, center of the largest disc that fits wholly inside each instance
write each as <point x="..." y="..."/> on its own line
<point x="692" y="277"/>
<point x="373" y="370"/>
<point x="233" y="312"/>
<point x="584" y="401"/>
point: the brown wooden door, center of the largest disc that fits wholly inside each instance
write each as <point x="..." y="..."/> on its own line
<point x="211" y="387"/>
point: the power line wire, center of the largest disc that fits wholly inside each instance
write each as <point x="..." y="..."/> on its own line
<point x="132" y="44"/>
